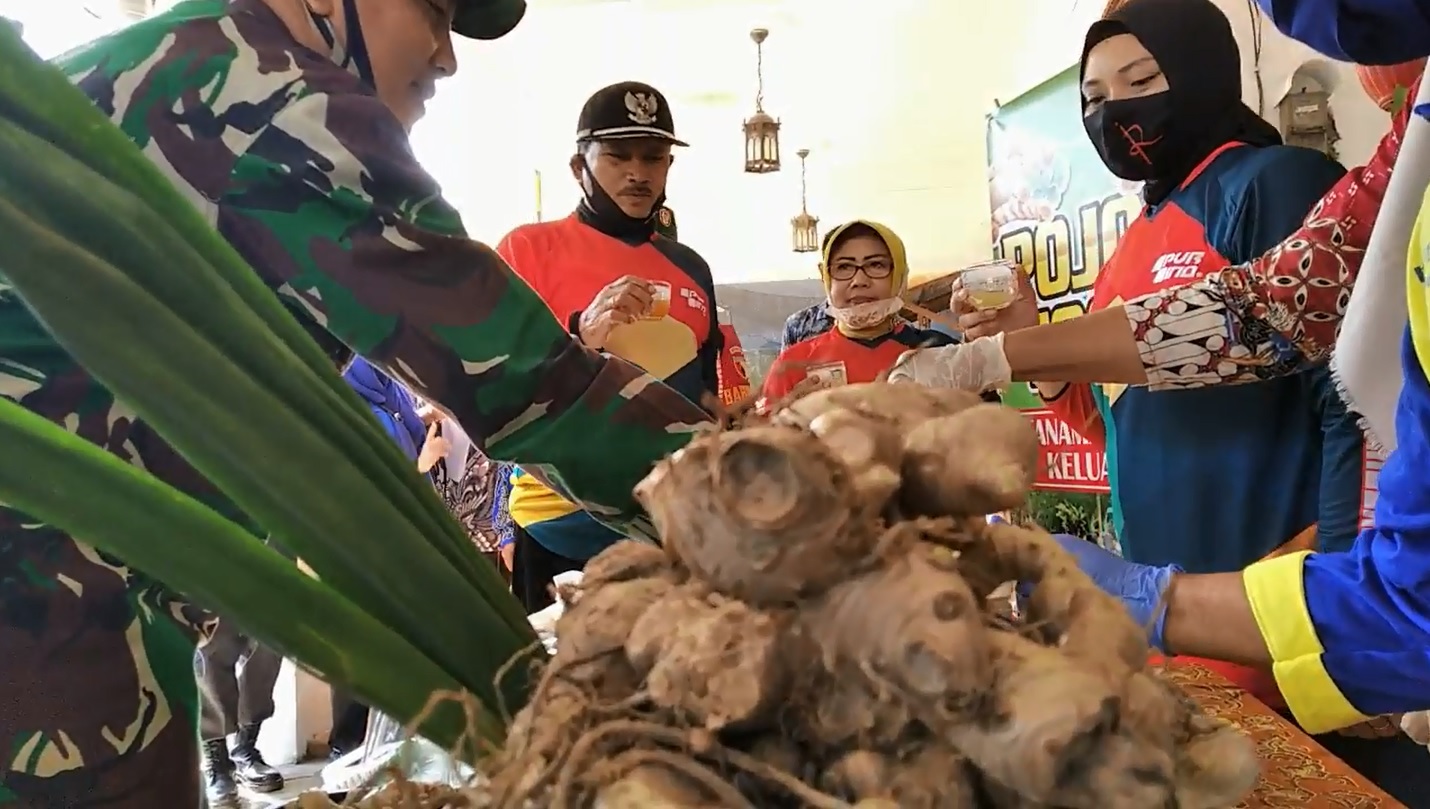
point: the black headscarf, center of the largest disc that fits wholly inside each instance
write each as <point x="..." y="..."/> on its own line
<point x="1197" y="52"/>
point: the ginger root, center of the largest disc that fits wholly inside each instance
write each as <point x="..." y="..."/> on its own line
<point x="817" y="631"/>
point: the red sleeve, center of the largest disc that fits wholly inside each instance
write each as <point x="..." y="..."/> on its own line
<point x="1076" y="406"/>
<point x="786" y="372"/>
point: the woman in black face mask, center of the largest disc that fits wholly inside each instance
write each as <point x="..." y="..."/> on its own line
<point x="1161" y="93"/>
<point x="1161" y="88"/>
<point x="1211" y="479"/>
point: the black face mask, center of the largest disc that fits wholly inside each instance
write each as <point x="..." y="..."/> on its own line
<point x="1133" y="136"/>
<point x="598" y="210"/>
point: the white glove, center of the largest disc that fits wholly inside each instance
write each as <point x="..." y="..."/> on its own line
<point x="976" y="366"/>
<point x="1417" y="726"/>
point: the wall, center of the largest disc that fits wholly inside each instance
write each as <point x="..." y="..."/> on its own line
<point x="896" y="132"/>
<point x="891" y="98"/>
<point x="1051" y="40"/>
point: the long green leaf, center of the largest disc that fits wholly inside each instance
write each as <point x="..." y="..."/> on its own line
<point x="186" y="388"/>
<point x="39" y="97"/>
<point x="78" y="204"/>
<point x="42" y="100"/>
<point x="128" y="513"/>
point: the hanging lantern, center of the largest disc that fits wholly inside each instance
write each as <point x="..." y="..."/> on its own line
<point x="1387" y="84"/>
<point x="762" y="133"/>
<point x="806" y="227"/>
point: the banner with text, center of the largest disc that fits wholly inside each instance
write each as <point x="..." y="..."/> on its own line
<point x="1057" y="213"/>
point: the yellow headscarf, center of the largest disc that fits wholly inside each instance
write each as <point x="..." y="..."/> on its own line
<point x="899" y="279"/>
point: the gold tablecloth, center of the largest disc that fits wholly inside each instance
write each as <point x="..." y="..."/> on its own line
<point x="1295" y="770"/>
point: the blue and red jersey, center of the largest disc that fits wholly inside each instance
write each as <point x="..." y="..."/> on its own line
<point x="1214" y="479"/>
<point x="567" y="262"/>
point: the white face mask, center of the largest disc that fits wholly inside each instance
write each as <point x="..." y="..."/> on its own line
<point x="862" y="316"/>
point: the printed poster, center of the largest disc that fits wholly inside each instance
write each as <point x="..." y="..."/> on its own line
<point x="1057" y="213"/>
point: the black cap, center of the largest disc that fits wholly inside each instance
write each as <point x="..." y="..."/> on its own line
<point x="627" y="110"/>
<point x="487" y="19"/>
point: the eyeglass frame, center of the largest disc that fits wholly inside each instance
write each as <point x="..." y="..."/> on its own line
<point x="837" y="270"/>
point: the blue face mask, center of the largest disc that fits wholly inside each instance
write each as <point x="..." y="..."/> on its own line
<point x="1367" y="32"/>
<point x="352" y="58"/>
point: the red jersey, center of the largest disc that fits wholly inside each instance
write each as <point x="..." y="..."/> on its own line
<point x="734" y="374"/>
<point x="835" y="359"/>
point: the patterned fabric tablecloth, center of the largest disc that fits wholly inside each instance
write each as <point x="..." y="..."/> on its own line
<point x="1295" y="771"/>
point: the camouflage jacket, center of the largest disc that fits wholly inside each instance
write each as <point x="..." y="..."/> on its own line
<point x="306" y="173"/>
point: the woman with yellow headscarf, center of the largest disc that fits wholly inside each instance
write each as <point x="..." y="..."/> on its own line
<point x="865" y="271"/>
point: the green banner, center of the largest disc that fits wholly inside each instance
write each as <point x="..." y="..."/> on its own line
<point x="1058" y="213"/>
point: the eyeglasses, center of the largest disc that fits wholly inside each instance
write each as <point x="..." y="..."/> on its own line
<point x="874" y="269"/>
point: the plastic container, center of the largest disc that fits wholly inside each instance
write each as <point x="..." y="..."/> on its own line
<point x="991" y="285"/>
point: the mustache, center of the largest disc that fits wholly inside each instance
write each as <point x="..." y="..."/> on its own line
<point x="635" y="191"/>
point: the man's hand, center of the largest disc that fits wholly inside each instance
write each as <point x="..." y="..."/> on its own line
<point x="976" y="366"/>
<point x="974" y="323"/>
<point x="434" y="449"/>
<point x="622" y="301"/>
<point x="507" y="553"/>
<point x="1140" y="588"/>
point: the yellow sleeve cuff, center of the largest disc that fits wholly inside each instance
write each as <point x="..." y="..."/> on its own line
<point x="1276" y="591"/>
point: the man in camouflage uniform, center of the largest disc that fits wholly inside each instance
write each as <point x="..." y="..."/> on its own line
<point x="286" y="122"/>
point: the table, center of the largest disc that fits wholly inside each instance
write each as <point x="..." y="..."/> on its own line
<point x="1295" y="770"/>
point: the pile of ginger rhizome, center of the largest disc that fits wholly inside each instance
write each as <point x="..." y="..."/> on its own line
<point x="817" y="631"/>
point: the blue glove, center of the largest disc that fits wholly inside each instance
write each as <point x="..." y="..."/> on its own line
<point x="1139" y="587"/>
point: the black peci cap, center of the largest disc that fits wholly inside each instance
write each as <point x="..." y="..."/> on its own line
<point x="487" y="19"/>
<point x="629" y="109"/>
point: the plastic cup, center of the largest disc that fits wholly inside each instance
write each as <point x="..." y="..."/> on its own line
<point x="660" y="301"/>
<point x="991" y="285"/>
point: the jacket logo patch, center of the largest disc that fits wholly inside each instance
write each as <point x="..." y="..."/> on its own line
<point x="695" y="300"/>
<point x="1183" y="265"/>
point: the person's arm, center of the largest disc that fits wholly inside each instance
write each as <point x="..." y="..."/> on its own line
<point x="714" y="344"/>
<point x="1347" y="635"/>
<point x="1276" y="314"/>
<point x="1390" y="31"/>
<point x="710" y="354"/>
<point x="329" y="204"/>
<point x="793" y="327"/>
<point x="1343" y="642"/>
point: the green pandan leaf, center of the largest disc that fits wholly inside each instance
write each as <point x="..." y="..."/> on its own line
<point x="132" y="282"/>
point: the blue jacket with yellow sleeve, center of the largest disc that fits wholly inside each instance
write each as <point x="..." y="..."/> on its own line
<point x="1349" y="633"/>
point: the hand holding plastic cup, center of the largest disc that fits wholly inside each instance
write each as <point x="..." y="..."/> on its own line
<point x="991" y="285"/>
<point x="659" y="301"/>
